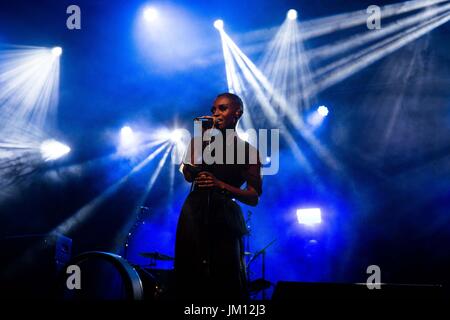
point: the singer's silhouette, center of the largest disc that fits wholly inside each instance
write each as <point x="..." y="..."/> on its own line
<point x="209" y="261"/>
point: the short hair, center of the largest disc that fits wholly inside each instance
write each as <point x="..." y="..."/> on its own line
<point x="234" y="98"/>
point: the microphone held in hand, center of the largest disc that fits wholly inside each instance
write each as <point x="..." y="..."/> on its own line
<point x="207" y="121"/>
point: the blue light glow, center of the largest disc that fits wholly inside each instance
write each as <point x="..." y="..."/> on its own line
<point x="52" y="150"/>
<point x="127" y="137"/>
<point x="323" y="111"/>
<point x="309" y="216"/>
<point x="150" y="14"/>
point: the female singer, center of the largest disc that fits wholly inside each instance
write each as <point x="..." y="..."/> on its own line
<point x="209" y="262"/>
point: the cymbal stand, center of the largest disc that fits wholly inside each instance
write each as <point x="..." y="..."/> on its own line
<point x="139" y="220"/>
<point x="262" y="252"/>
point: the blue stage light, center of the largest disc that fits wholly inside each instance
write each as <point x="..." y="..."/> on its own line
<point x="150" y="14"/>
<point x="52" y="150"/>
<point x="323" y="111"/>
<point x="243" y="135"/>
<point x="127" y="137"/>
<point x="218" y="24"/>
<point x="176" y="135"/>
<point x="309" y="216"/>
<point x="56" y="51"/>
<point x="292" y="14"/>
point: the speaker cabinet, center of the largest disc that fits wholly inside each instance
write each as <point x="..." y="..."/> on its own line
<point x="288" y="291"/>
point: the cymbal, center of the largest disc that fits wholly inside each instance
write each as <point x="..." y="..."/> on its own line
<point x="156" y="256"/>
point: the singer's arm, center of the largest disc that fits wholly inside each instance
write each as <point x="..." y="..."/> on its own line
<point x="188" y="167"/>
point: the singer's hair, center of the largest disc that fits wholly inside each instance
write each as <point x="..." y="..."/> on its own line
<point x="234" y="98"/>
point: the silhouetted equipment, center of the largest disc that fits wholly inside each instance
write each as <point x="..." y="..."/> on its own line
<point x="142" y="215"/>
<point x="257" y="285"/>
<point x="261" y="252"/>
<point x="30" y="264"/>
<point x="158" y="284"/>
<point x="156" y="256"/>
<point x="286" y="291"/>
<point x="260" y="284"/>
<point x="104" y="276"/>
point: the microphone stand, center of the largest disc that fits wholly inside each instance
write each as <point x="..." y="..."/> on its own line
<point x="205" y="219"/>
<point x="262" y="252"/>
<point x="247" y="245"/>
<point x="208" y="203"/>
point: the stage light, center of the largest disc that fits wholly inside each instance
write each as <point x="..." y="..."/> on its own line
<point x="309" y="216"/>
<point x="323" y="111"/>
<point x="317" y="117"/>
<point x="56" y="51"/>
<point x="350" y="64"/>
<point x="127" y="137"/>
<point x="29" y="78"/>
<point x="150" y="14"/>
<point x="243" y="136"/>
<point x="292" y="14"/>
<point x="338" y="22"/>
<point x="91" y="207"/>
<point x="176" y="135"/>
<point x="218" y="24"/>
<point x="52" y="150"/>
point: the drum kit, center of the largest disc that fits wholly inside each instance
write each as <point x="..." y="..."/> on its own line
<point x="144" y="282"/>
<point x="159" y="283"/>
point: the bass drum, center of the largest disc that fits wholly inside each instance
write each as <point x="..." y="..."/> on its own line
<point x="158" y="284"/>
<point x="102" y="276"/>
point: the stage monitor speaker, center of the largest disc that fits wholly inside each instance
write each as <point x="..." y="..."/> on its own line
<point x="288" y="291"/>
<point x="30" y="264"/>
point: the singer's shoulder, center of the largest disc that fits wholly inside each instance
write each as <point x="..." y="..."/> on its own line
<point x="251" y="151"/>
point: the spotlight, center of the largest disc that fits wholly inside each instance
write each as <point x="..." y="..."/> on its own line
<point x="218" y="24"/>
<point x="56" y="51"/>
<point x="126" y="136"/>
<point x="150" y="14"/>
<point x="323" y="111"/>
<point x="309" y="216"/>
<point x="243" y="136"/>
<point x="176" y="136"/>
<point x="292" y="14"/>
<point x="52" y="150"/>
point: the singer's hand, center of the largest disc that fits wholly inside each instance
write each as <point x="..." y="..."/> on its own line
<point x="208" y="180"/>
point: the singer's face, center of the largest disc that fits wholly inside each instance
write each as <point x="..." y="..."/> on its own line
<point x="225" y="113"/>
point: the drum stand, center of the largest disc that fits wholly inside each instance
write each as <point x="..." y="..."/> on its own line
<point x="262" y="283"/>
<point x="139" y="220"/>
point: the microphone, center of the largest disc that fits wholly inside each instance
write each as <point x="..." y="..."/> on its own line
<point x="204" y="118"/>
